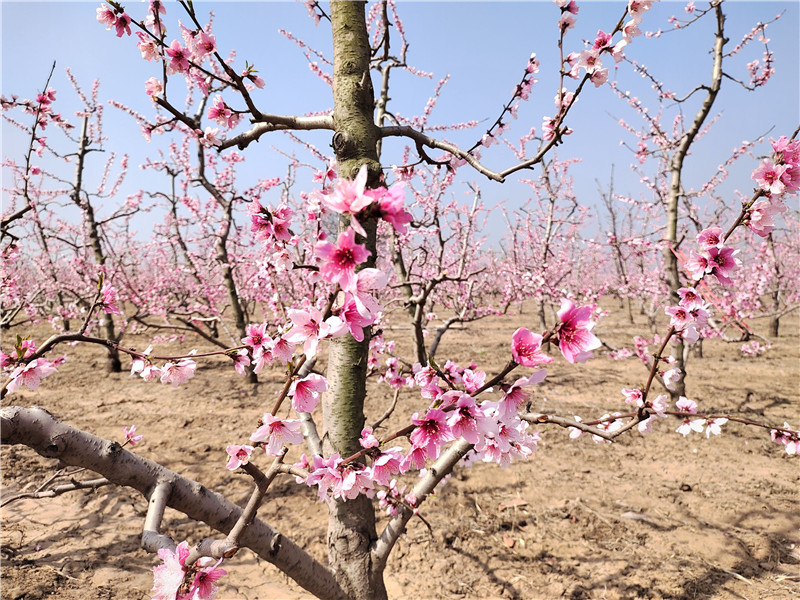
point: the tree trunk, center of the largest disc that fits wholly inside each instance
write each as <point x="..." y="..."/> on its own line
<point x="351" y="524"/>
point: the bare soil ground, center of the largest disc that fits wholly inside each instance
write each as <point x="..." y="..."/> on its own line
<point x="660" y="516"/>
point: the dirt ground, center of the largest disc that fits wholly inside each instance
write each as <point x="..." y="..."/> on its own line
<point x="660" y="516"/>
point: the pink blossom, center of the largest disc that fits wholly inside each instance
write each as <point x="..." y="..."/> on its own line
<point x="241" y="361"/>
<point x="278" y="432"/>
<point x="698" y="265"/>
<point x="789" y="438"/>
<point x="431" y="432"/>
<point x="130" y="435"/>
<point x="368" y="439"/>
<point x="168" y="577"/>
<point x="205" y="44"/>
<point x="109" y="300"/>
<point x="106" y="15"/>
<point x="178" y="372"/>
<point x="602" y="40"/>
<point x="514" y="396"/>
<point x="575" y="338"/>
<point x="147" y="47"/>
<point x="690" y="299"/>
<point x="204" y="584"/>
<point x="309" y="328"/>
<point x="566" y="22"/>
<point x="354" y="319"/>
<point x="154" y="88"/>
<point x="768" y="177"/>
<point x="340" y="261"/>
<point x="349" y="197"/>
<point x="659" y="405"/>
<point x="385" y="464"/>
<point x="179" y="58"/>
<point x="150" y="372"/>
<point x="31" y="374"/>
<point x="671" y="378"/>
<point x="761" y="216"/>
<point x="710" y="238"/>
<point x="123" y="25"/>
<point x="366" y="280"/>
<point x="787" y="150"/>
<point x="686" y="405"/>
<point x="222" y="113"/>
<point x="723" y="262"/>
<point x="238" y="456"/>
<point x="714" y="426"/>
<point x="256" y="337"/>
<point x="526" y="348"/>
<point x="469" y="422"/>
<point x="599" y="77"/>
<point x="679" y="317"/>
<point x="305" y="392"/>
<point x="590" y="60"/>
<point x="391" y="207"/>
<point x="634" y="396"/>
<point x="282" y="350"/>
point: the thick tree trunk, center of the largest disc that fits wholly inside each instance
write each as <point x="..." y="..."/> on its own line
<point x="351" y="524"/>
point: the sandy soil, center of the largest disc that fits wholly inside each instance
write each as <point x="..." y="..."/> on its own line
<point x="660" y="516"/>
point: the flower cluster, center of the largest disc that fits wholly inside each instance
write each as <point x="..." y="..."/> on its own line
<point x="174" y="580"/>
<point x="690" y="312"/>
<point x="714" y="258"/>
<point x="174" y="372"/>
<point x="776" y="179"/>
<point x="788" y="437"/>
<point x="752" y="349"/>
<point x="22" y="371"/>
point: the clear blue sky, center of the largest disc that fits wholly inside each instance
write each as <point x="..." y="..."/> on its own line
<point x="482" y="45"/>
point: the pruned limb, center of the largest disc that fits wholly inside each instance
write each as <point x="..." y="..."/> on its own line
<point x="39" y="430"/>
<point x="152" y="538"/>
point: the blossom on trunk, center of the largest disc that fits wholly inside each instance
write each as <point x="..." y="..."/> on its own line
<point x="340" y="261"/>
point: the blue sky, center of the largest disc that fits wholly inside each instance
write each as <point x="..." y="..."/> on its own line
<point x="482" y="46"/>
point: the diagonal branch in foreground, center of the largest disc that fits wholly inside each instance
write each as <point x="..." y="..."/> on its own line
<point x="39" y="430"/>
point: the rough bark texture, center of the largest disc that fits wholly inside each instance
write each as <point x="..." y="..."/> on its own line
<point x="351" y="525"/>
<point x="37" y="429"/>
